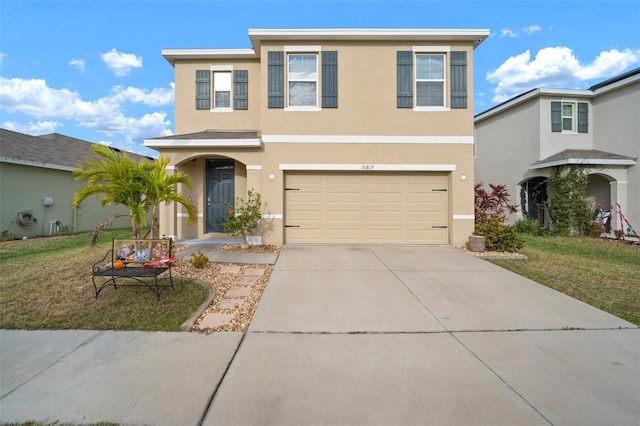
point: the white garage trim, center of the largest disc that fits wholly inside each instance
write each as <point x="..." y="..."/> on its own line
<point x="464" y="217"/>
<point x="372" y="167"/>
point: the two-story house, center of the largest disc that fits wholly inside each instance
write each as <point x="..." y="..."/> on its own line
<point x="349" y="135"/>
<point x="520" y="140"/>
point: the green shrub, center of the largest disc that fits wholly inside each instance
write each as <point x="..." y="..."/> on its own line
<point x="198" y="260"/>
<point x="529" y="227"/>
<point x="498" y="235"/>
<point x="243" y="220"/>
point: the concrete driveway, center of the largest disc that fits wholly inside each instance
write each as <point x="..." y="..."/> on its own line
<point x="348" y="335"/>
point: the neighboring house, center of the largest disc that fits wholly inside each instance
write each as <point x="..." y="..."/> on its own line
<point x="36" y="175"/>
<point x="349" y="135"/>
<point x="520" y="140"/>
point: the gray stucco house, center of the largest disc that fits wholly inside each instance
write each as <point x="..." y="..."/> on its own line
<point x="520" y="140"/>
<point x="36" y="176"/>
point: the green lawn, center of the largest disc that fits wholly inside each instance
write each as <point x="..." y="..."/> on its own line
<point x="602" y="273"/>
<point x="45" y="283"/>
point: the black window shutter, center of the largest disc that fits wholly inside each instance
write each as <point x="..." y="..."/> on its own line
<point x="583" y="117"/>
<point x="459" y="79"/>
<point x="203" y="89"/>
<point x="275" y="79"/>
<point x="405" y="79"/>
<point x="330" y="79"/>
<point x="556" y="116"/>
<point x="240" y="89"/>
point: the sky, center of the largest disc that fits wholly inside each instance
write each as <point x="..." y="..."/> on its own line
<point x="93" y="70"/>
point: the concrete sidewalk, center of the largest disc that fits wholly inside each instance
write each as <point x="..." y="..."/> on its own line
<point x="348" y="335"/>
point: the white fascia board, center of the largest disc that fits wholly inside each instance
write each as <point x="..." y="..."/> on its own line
<point x="370" y="167"/>
<point x="40" y="164"/>
<point x="172" y="55"/>
<point x="583" y="161"/>
<point x="474" y="35"/>
<point x="203" y="143"/>
<point x="359" y="139"/>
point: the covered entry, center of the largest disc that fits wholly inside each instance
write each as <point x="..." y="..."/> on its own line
<point x="366" y="207"/>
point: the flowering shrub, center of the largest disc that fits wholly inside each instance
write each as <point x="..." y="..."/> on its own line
<point x="243" y="220"/>
<point x="491" y="209"/>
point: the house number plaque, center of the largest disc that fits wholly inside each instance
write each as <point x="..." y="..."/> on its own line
<point x="367" y="167"/>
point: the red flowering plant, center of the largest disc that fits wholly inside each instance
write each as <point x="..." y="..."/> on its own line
<point x="491" y="210"/>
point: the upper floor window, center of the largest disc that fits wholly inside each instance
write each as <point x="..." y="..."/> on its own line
<point x="429" y="80"/>
<point x="423" y="79"/>
<point x="302" y="76"/>
<point x="302" y="79"/>
<point x="221" y="90"/>
<point x="229" y="89"/>
<point x="569" y="117"/>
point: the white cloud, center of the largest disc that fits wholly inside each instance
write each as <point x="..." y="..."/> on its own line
<point x="555" y="67"/>
<point x="105" y="115"/>
<point x="32" y="128"/>
<point x="531" y="29"/>
<point x="78" y="63"/>
<point x="507" y="32"/>
<point x="121" y="63"/>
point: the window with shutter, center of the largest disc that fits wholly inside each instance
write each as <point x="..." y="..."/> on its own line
<point x="329" y="79"/>
<point x="459" y="79"/>
<point x="405" y="79"/>
<point x="241" y="89"/>
<point x="275" y="79"/>
<point x="583" y="117"/>
<point x="203" y="89"/>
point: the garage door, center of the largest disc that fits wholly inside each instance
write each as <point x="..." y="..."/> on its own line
<point x="372" y="208"/>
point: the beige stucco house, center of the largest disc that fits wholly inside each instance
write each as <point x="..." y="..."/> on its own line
<point x="520" y="140"/>
<point x="349" y="135"/>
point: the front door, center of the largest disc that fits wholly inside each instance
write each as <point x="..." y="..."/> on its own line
<point x="220" y="188"/>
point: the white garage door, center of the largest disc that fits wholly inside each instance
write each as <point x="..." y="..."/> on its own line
<point x="372" y="208"/>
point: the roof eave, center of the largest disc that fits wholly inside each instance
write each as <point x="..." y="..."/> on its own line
<point x="171" y="55"/>
<point x="583" y="162"/>
<point x="202" y="143"/>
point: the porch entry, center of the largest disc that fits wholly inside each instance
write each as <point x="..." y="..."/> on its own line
<point x="220" y="187"/>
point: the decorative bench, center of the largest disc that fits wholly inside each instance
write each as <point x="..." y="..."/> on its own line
<point x="135" y="263"/>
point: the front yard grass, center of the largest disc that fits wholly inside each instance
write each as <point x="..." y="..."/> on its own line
<point x="45" y="283"/>
<point x="602" y="273"/>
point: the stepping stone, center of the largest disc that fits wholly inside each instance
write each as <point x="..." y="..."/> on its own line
<point x="254" y="271"/>
<point x="246" y="281"/>
<point x="214" y="319"/>
<point x="229" y="269"/>
<point x="235" y="293"/>
<point x="229" y="303"/>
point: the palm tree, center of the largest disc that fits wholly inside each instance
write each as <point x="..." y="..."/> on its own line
<point x="161" y="187"/>
<point x="117" y="179"/>
<point x="138" y="186"/>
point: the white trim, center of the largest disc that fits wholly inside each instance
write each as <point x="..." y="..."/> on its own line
<point x="371" y="167"/>
<point x="215" y="68"/>
<point x="272" y="216"/>
<point x="203" y="143"/>
<point x="435" y="49"/>
<point x="303" y="108"/>
<point x="367" y="139"/>
<point x="198" y="215"/>
<point x="432" y="109"/>
<point x="169" y="167"/>
<point x="36" y="164"/>
<point x="464" y="217"/>
<point x="304" y="48"/>
<point x="583" y="161"/>
<point x="254" y="167"/>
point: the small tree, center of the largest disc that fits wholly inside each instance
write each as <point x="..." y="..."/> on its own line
<point x="244" y="218"/>
<point x="568" y="206"/>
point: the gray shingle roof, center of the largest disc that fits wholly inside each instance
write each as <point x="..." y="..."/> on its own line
<point x="583" y="156"/>
<point x="52" y="150"/>
<point x="214" y="134"/>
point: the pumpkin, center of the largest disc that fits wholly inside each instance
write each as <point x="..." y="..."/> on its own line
<point x="118" y="264"/>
